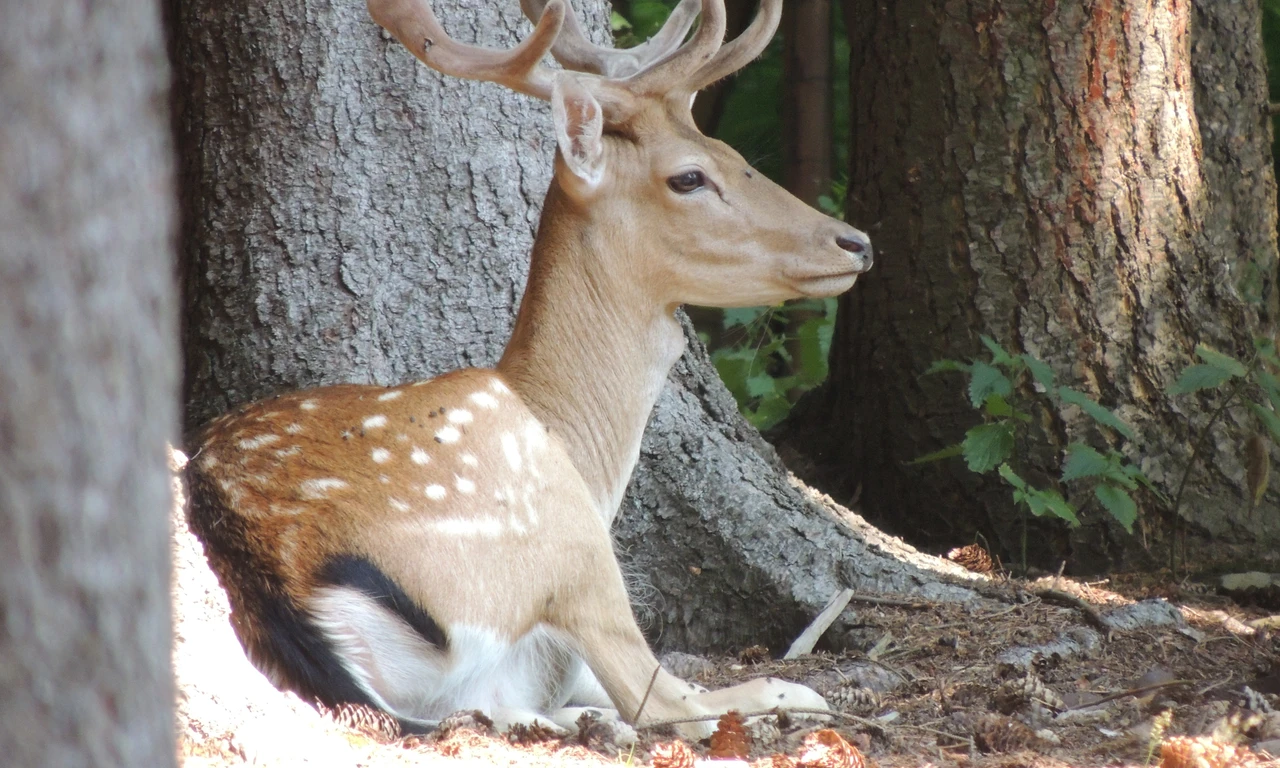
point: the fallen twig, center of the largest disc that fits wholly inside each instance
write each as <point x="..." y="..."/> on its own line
<point x="1090" y="613"/>
<point x="1122" y="694"/>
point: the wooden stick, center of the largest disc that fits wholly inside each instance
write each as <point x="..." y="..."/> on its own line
<point x="809" y="637"/>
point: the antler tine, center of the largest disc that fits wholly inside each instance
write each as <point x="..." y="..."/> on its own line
<point x="674" y="72"/>
<point x="573" y="50"/>
<point x="744" y="48"/>
<point x="415" y="25"/>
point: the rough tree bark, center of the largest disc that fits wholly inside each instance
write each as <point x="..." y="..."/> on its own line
<point x="352" y="216"/>
<point x="1088" y="182"/>
<point x="88" y="385"/>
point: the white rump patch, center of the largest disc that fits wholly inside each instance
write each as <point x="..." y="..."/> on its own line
<point x="448" y="435"/>
<point x="318" y="488"/>
<point x="435" y="492"/>
<point x="380" y="455"/>
<point x="460" y="416"/>
<point x="419" y="456"/>
<point x="373" y="422"/>
<point x="484" y="400"/>
<point x="464" y="485"/>
<point x="392" y="395"/>
<point x="469" y="460"/>
<point x="254" y="443"/>
<point x="308" y="405"/>
<point x="511" y="450"/>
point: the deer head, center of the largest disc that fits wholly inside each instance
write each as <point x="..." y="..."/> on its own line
<point x="684" y="213"/>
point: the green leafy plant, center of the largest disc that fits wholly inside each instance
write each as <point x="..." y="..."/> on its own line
<point x="1005" y="388"/>
<point x="1252" y="382"/>
<point x="775" y="360"/>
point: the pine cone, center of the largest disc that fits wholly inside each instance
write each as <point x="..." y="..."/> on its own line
<point x="731" y="738"/>
<point x="1013" y="695"/>
<point x="764" y="732"/>
<point x="997" y="733"/>
<point x="365" y="720"/>
<point x="1201" y="752"/>
<point x="973" y="557"/>
<point x="531" y="733"/>
<point x="853" y="698"/>
<point x="756" y="654"/>
<point x="827" y="749"/>
<point x="675" y="754"/>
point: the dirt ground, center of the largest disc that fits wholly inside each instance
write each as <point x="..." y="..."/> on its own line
<point x="1062" y="673"/>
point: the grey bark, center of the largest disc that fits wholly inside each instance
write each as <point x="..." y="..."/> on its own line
<point x="88" y="385"/>
<point x="1087" y="182"/>
<point x="352" y="216"/>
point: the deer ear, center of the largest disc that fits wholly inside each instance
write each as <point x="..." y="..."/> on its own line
<point x="579" y="124"/>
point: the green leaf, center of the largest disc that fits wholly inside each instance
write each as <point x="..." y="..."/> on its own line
<point x="617" y="22"/>
<point x="1042" y="502"/>
<point x="1198" y="377"/>
<point x="999" y="355"/>
<point x="761" y="384"/>
<point x="769" y="412"/>
<point x="1008" y="474"/>
<point x="1040" y="371"/>
<point x="1099" y="414"/>
<point x="945" y="366"/>
<point x="1271" y="385"/>
<point x="1083" y="461"/>
<point x="1119" y="503"/>
<point x="740" y="316"/>
<point x="987" y="380"/>
<point x="987" y="445"/>
<point x="1222" y="362"/>
<point x="1266" y="350"/>
<point x="1269" y="420"/>
<point x="945" y="453"/>
<point x="997" y="406"/>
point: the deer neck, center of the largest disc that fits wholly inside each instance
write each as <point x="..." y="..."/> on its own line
<point x="591" y="347"/>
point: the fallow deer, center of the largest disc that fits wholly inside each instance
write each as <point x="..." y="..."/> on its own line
<point x="444" y="544"/>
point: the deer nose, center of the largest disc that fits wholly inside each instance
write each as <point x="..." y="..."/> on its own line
<point x="857" y="245"/>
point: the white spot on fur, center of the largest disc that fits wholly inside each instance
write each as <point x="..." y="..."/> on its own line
<point x="499" y="387"/>
<point x="460" y="416"/>
<point x="254" y="443"/>
<point x="209" y="461"/>
<point x="464" y="485"/>
<point x="436" y="492"/>
<point x="373" y="422"/>
<point x="384" y="480"/>
<point x="511" y="450"/>
<point x="292" y="450"/>
<point x="308" y="405"/>
<point x="402" y="437"/>
<point x="484" y="400"/>
<point x="419" y="456"/>
<point x="294" y="429"/>
<point x="318" y="488"/>
<point x="398" y="505"/>
<point x="448" y="435"/>
<point x="380" y="455"/>
<point x="392" y="395"/>
<point x="469" y="460"/>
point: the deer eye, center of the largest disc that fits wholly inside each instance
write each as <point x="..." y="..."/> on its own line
<point x="687" y="182"/>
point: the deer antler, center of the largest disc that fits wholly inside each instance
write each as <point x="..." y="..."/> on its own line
<point x="415" y="25"/>
<point x="574" y="51"/>
<point x="744" y="48"/>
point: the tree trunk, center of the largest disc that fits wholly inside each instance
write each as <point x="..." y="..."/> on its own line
<point x="88" y="385"/>
<point x="1086" y="182"/>
<point x="806" y="99"/>
<point x="353" y="216"/>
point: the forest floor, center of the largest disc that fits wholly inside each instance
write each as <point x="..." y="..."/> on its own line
<point x="1065" y="674"/>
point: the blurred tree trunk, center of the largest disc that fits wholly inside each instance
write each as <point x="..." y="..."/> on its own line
<point x="1087" y="182"/>
<point x="88" y="385"/>
<point x="709" y="106"/>
<point x="353" y="216"/>
<point x="806" y="98"/>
